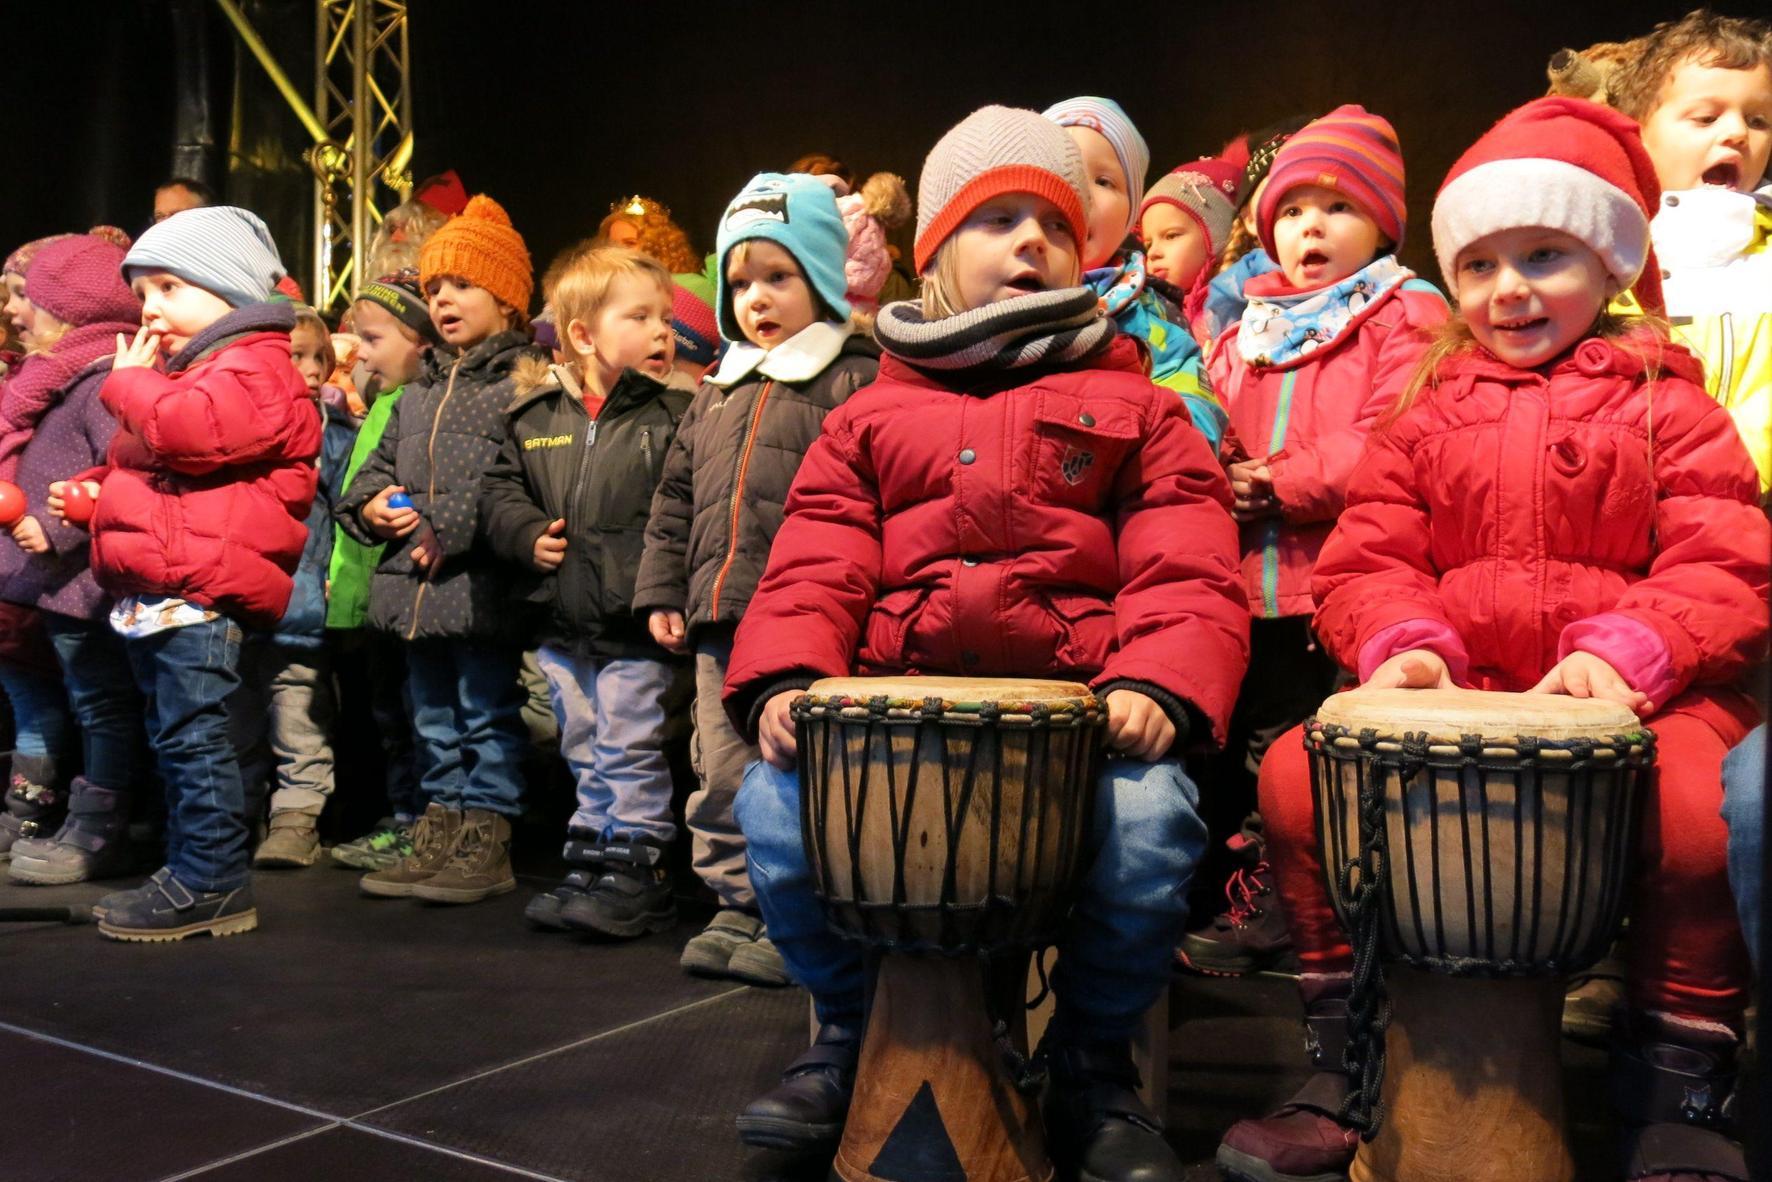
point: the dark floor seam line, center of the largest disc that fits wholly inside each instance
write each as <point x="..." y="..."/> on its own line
<point x="571" y="1046"/>
<point x="462" y="1154"/>
<point x="244" y="1154"/>
<point x="173" y="1073"/>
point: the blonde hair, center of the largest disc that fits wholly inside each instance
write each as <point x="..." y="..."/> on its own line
<point x="586" y="280"/>
<point x="941" y="281"/>
<point x="306" y="317"/>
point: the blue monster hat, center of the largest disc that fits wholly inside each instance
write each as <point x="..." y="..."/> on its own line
<point x="799" y="214"/>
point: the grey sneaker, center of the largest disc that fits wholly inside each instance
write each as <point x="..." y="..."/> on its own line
<point x="709" y="951"/>
<point x="292" y="842"/>
<point x="163" y="909"/>
<point x="93" y="843"/>
<point x="759" y="963"/>
<point x="378" y="849"/>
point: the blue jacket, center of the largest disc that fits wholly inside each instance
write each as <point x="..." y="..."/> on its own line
<point x="1224" y="294"/>
<point x="304" y="621"/>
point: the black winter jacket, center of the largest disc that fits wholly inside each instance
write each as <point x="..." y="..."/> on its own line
<point x="599" y="475"/>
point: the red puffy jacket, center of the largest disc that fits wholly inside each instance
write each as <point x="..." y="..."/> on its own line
<point x="1309" y="420"/>
<point x="211" y="473"/>
<point x="1511" y="516"/>
<point x="1059" y="523"/>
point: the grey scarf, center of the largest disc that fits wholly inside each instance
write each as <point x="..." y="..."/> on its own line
<point x="1053" y="328"/>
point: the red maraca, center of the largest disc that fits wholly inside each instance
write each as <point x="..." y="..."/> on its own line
<point x="12" y="504"/>
<point x="77" y="504"/>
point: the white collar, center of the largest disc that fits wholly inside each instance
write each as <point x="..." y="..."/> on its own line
<point x="800" y="358"/>
<point x="1705" y="227"/>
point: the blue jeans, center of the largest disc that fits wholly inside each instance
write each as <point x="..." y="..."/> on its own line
<point x="185" y="676"/>
<point x="612" y="723"/>
<point x="1744" y="811"/>
<point x="39" y="713"/>
<point x="467" y="721"/>
<point x="1114" y="957"/>
<point x="101" y="689"/>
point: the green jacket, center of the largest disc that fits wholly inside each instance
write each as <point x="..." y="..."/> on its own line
<point x="347" y="602"/>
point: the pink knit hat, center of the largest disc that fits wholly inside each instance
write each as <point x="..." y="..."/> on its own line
<point x="79" y="280"/>
<point x="1349" y="150"/>
<point x="1205" y="190"/>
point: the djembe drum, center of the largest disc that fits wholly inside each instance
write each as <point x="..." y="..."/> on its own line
<point x="945" y="821"/>
<point x="1480" y="843"/>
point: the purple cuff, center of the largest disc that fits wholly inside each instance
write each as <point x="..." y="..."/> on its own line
<point x="1636" y="650"/>
<point x="1400" y="637"/>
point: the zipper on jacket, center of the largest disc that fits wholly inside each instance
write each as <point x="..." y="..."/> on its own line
<point x="646" y="446"/>
<point x="431" y="488"/>
<point x="744" y="463"/>
<point x="573" y="510"/>
<point x="1270" y="551"/>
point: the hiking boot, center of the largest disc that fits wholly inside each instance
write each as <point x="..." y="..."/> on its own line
<point x="432" y="840"/>
<point x="709" y="951"/>
<point x="378" y="849"/>
<point x="35" y="802"/>
<point x="759" y="963"/>
<point x="805" y="1112"/>
<point x="1304" y="1139"/>
<point x="163" y="909"/>
<point x="630" y="893"/>
<point x="1673" y="1082"/>
<point x="544" y="910"/>
<point x="1097" y="1129"/>
<point x="93" y="842"/>
<point x="1593" y="1000"/>
<point x="1249" y="935"/>
<point x="293" y="841"/>
<point x="479" y="864"/>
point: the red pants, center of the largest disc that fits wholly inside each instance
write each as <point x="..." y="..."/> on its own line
<point x="1687" y="957"/>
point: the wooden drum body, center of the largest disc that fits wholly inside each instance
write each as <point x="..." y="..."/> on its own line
<point x="945" y="821"/>
<point x="1495" y="832"/>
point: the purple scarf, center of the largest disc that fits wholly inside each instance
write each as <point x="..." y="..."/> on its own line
<point x="39" y="381"/>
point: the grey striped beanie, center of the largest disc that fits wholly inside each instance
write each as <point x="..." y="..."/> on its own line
<point x="221" y="248"/>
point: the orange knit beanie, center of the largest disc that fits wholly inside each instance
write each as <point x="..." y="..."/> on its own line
<point x="479" y="245"/>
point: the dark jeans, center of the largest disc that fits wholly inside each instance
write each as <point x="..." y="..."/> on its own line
<point x="185" y="675"/>
<point x="101" y="690"/>
<point x="467" y="717"/>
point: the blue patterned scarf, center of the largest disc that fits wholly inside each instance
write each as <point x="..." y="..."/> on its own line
<point x="1279" y="330"/>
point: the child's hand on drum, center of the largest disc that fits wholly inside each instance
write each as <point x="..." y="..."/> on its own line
<point x="775" y="731"/>
<point x="1583" y="675"/>
<point x="1137" y="727"/>
<point x="1416" y="668"/>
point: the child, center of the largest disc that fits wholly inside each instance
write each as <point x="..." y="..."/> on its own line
<point x="1116" y="159"/>
<point x="1326" y="342"/>
<point x="440" y="588"/>
<point x="1243" y="257"/>
<point x="78" y="305"/>
<point x="794" y="356"/>
<point x="1184" y="222"/>
<point x="896" y="555"/>
<point x="282" y="715"/>
<point x="568" y="500"/>
<point x="394" y="329"/>
<point x="197" y="530"/>
<point x="1519" y="525"/>
<point x="1702" y="89"/>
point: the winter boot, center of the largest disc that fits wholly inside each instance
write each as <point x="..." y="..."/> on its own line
<point x="544" y="910"/>
<point x="35" y="802"/>
<point x="805" y="1112"/>
<point x="93" y="842"/>
<point x="1097" y="1128"/>
<point x="478" y="867"/>
<point x="1250" y="935"/>
<point x="292" y="842"/>
<point x="163" y="909"/>
<point x="1303" y="1140"/>
<point x="1673" y="1082"/>
<point x="1593" y="1000"/>
<point x="631" y="893"/>
<point x="433" y="838"/>
<point x="759" y="962"/>
<point x="709" y="951"/>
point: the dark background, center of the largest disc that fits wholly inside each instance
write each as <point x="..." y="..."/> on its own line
<point x="557" y="109"/>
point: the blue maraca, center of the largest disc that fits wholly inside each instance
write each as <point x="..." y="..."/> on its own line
<point x="400" y="501"/>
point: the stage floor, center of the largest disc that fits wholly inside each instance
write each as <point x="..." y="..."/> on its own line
<point x="356" y="1039"/>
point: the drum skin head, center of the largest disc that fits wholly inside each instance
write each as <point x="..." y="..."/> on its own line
<point x="951" y="689"/>
<point x="1451" y="713"/>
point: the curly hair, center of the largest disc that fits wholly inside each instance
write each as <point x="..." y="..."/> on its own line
<point x="660" y="237"/>
<point x="1713" y="40"/>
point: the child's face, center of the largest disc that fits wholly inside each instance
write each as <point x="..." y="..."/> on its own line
<point x="632" y="330"/>
<point x="1174" y="245"/>
<point x="623" y="234"/>
<point x="38" y="329"/>
<point x="17" y="307"/>
<point x="464" y="314"/>
<point x="1529" y="293"/>
<point x="386" y="347"/>
<point x="307" y="348"/>
<point x="176" y="310"/>
<point x="1110" y="206"/>
<point x="1322" y="237"/>
<point x="1712" y="126"/>
<point x="771" y="299"/>
<point x="1013" y="245"/>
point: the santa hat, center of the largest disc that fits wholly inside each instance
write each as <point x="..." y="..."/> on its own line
<point x="1564" y="164"/>
<point x="1205" y="190"/>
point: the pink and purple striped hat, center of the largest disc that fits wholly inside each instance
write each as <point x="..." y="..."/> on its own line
<point x="1351" y="151"/>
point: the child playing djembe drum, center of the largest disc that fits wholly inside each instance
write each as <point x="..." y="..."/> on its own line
<point x="1555" y="506"/>
<point x="1012" y="497"/>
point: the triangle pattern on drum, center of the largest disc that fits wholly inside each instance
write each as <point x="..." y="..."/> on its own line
<point x="919" y="1148"/>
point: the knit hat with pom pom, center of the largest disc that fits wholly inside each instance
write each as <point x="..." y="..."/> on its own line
<point x="79" y="280"/>
<point x="479" y="245"/>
